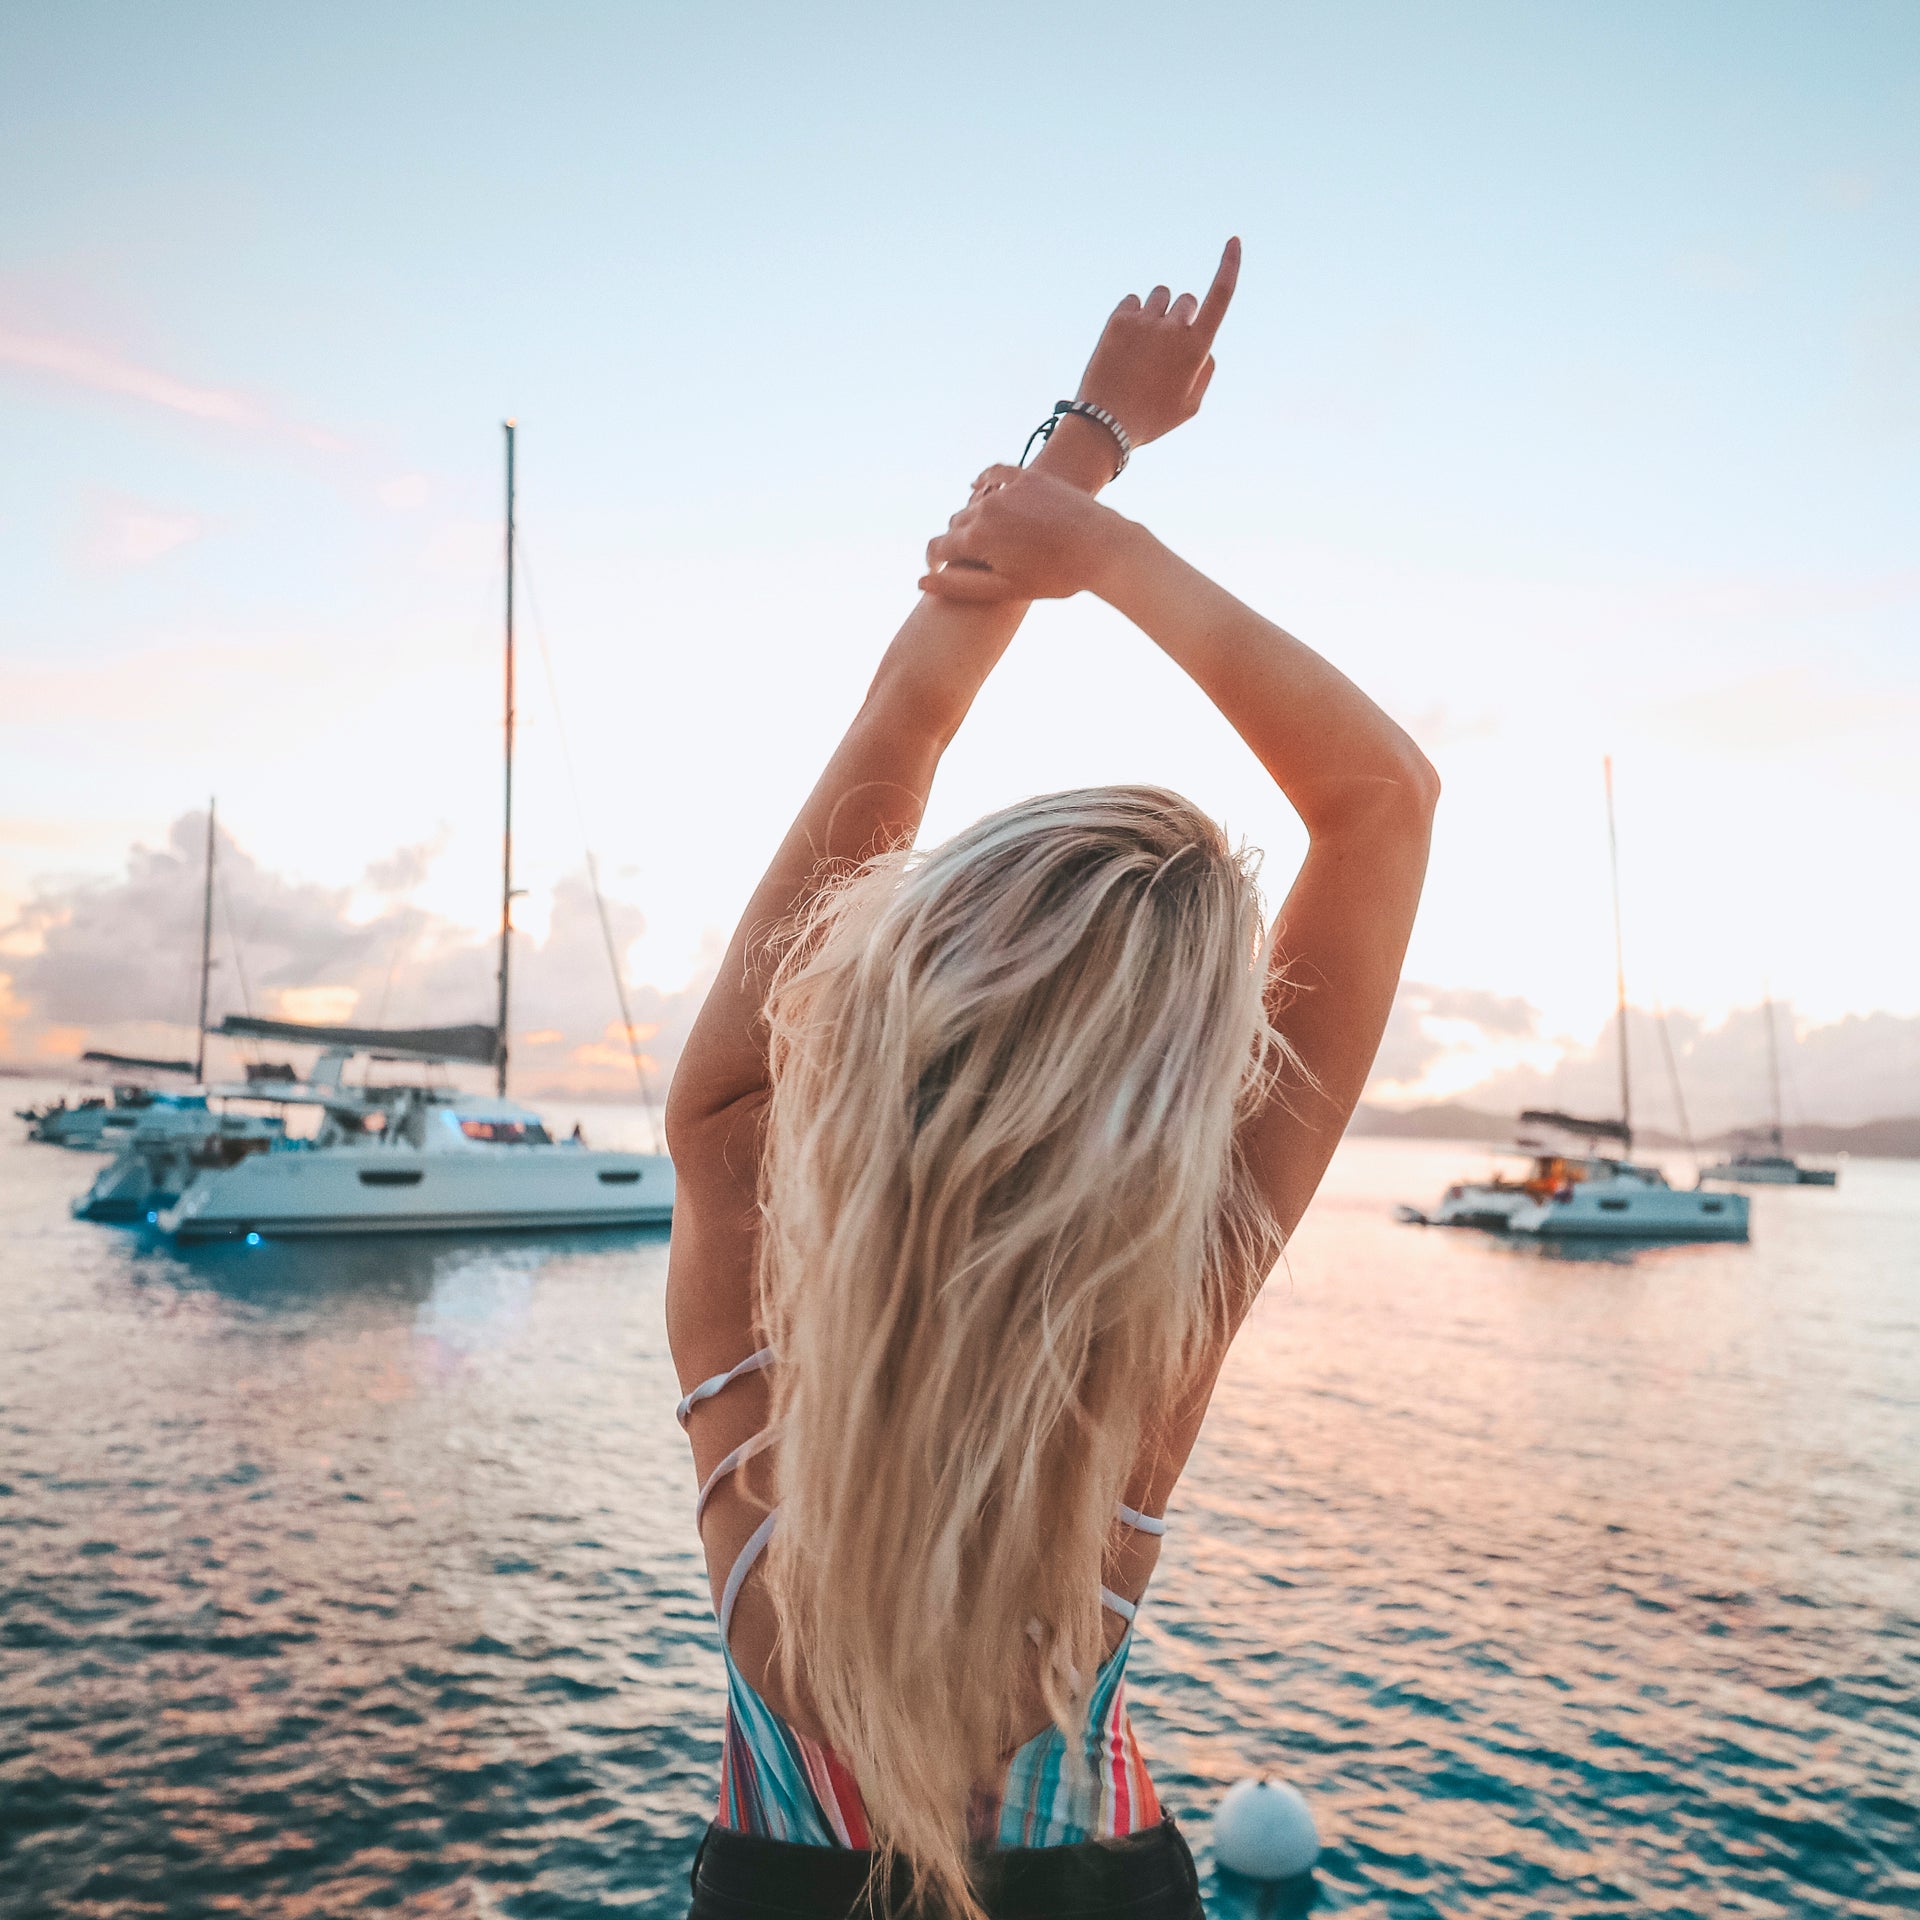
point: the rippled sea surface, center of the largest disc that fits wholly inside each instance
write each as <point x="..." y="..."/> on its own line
<point x="361" y="1578"/>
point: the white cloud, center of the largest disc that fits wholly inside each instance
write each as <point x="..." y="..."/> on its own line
<point x="130" y="533"/>
<point x="97" y="369"/>
<point x="405" y="492"/>
<point x="114" y="963"/>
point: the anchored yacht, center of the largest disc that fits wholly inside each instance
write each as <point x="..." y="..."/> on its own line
<point x="386" y="1158"/>
<point x="1581" y="1180"/>
<point x="1577" y="1187"/>
<point x="1765" y="1162"/>
<point x="103" y="1123"/>
<point x="415" y="1159"/>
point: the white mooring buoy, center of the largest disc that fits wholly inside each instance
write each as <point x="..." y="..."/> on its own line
<point x="1264" y="1830"/>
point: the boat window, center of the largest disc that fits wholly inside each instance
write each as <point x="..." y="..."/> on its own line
<point x="1613" y="1206"/>
<point x="508" y="1133"/>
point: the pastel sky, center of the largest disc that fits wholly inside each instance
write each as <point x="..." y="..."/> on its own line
<point x="1571" y="403"/>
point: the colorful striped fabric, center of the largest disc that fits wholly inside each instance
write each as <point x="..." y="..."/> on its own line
<point x="777" y="1783"/>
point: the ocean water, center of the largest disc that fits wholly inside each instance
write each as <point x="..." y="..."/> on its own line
<point x="361" y="1578"/>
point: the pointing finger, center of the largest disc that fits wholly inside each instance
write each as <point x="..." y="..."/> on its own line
<point x="1213" y="309"/>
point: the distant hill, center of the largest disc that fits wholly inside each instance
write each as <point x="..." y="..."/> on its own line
<point x="1895" y="1139"/>
<point x="1446" y="1120"/>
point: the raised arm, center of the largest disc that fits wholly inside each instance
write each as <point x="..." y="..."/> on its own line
<point x="1150" y="370"/>
<point x="1362" y="788"/>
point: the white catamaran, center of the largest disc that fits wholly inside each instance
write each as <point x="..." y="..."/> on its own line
<point x="104" y="1122"/>
<point x="1581" y="1180"/>
<point x="423" y="1156"/>
<point x="413" y="1158"/>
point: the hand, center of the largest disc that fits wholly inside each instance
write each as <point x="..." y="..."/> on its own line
<point x="1155" y="357"/>
<point x="1024" y="536"/>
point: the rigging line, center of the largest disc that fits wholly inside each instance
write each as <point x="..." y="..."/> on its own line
<point x="249" y="1049"/>
<point x="402" y="935"/>
<point x="593" y="865"/>
<point x="1673" y="1075"/>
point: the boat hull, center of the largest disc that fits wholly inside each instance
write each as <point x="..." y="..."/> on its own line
<point x="393" y="1190"/>
<point x="1489" y="1208"/>
<point x="167" y="1151"/>
<point x="85" y="1129"/>
<point x="1592" y="1212"/>
<point x="1765" y="1176"/>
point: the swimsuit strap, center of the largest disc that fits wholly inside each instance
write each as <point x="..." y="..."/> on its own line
<point x="756" y="1544"/>
<point x="708" y="1388"/>
<point x="742" y="1566"/>
<point x="757" y="1541"/>
<point x="744" y="1452"/>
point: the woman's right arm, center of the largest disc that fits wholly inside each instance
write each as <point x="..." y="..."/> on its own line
<point x="1150" y="368"/>
<point x="1363" y="790"/>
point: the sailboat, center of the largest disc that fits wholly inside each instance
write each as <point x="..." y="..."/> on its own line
<point x="421" y="1156"/>
<point x="1766" y="1162"/>
<point x="161" y="1140"/>
<point x="1581" y="1180"/>
<point x="101" y="1123"/>
<point x="1616" y="1198"/>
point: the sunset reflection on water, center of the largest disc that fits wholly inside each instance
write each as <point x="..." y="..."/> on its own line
<point x="340" y="1576"/>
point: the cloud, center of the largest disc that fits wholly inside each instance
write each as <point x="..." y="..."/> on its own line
<point x="1862" y="1067"/>
<point x="1431" y="1027"/>
<point x="96" y="369"/>
<point x="124" y="532"/>
<point x="406" y="867"/>
<point x="404" y="492"/>
<point x="101" y="372"/>
<point x="1762" y="716"/>
<point x="115" y="963"/>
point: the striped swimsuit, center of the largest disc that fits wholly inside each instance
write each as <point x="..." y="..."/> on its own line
<point x="780" y="1785"/>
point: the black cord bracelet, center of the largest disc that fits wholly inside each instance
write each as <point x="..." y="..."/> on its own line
<point x="1088" y="411"/>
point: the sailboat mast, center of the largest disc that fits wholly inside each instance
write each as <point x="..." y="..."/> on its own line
<point x="506" y="835"/>
<point x="1619" y="963"/>
<point x="1773" y="1072"/>
<point x="206" y="958"/>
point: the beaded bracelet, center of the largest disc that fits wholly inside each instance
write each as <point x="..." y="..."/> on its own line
<point x="1087" y="410"/>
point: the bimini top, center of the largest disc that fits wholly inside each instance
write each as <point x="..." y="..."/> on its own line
<point x="134" y="1060"/>
<point x="478" y="1046"/>
<point x="1585" y="1129"/>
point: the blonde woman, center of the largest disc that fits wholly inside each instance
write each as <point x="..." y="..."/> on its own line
<point x="984" y="1151"/>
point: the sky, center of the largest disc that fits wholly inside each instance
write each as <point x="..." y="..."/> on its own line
<point x="1571" y="403"/>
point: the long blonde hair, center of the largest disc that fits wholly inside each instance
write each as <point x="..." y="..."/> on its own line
<point x="1003" y="1217"/>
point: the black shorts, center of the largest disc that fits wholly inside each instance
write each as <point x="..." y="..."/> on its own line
<point x="1147" y="1876"/>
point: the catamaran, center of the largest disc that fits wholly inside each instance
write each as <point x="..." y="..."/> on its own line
<point x="422" y="1156"/>
<point x="102" y="1123"/>
<point x="412" y="1157"/>
<point x="1576" y="1186"/>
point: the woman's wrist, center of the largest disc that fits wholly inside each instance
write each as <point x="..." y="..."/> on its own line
<point x="1079" y="451"/>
